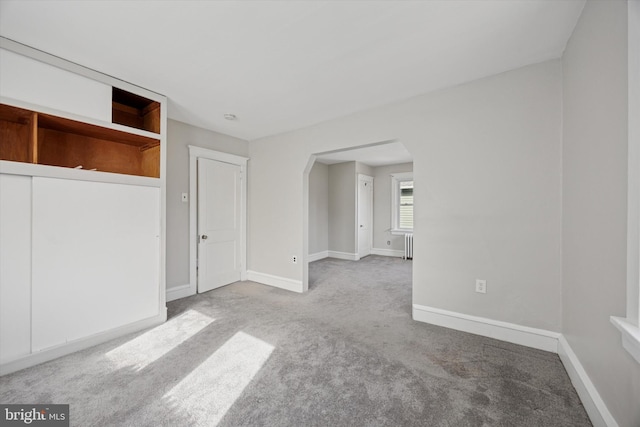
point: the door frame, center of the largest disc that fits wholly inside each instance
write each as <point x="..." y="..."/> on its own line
<point x="370" y="179"/>
<point x="194" y="154"/>
<point x="305" y="203"/>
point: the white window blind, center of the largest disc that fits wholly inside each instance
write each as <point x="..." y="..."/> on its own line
<point x="402" y="203"/>
<point x="406" y="205"/>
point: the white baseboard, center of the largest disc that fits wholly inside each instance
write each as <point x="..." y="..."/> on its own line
<point x="504" y="331"/>
<point x="591" y="400"/>
<point x="318" y="256"/>
<point x="343" y="255"/>
<point x="80" y="344"/>
<point x="178" y="292"/>
<point x="530" y="337"/>
<point x="276" y="281"/>
<point x="387" y="252"/>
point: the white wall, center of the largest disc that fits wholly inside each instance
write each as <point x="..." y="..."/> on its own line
<point x="318" y="208"/>
<point x="363" y="169"/>
<point x="342" y="207"/>
<point x="595" y="204"/>
<point x="179" y="136"/>
<point x="487" y="159"/>
<point x="382" y="207"/>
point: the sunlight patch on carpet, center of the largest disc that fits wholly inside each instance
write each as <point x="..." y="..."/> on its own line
<point x="155" y="343"/>
<point x="210" y="390"/>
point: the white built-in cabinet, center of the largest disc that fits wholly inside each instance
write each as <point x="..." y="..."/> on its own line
<point x="39" y="83"/>
<point x="82" y="196"/>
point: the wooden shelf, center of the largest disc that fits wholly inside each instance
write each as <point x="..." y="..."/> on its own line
<point x="135" y="111"/>
<point x="17" y="138"/>
<point x="60" y="124"/>
<point x="30" y="137"/>
<point x="15" y="115"/>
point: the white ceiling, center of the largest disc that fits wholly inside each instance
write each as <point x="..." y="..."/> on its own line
<point x="391" y="153"/>
<point x="283" y="65"/>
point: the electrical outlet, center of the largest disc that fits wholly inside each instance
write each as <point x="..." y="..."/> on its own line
<point x="294" y="259"/>
<point x="481" y="286"/>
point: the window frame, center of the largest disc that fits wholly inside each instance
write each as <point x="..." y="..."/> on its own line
<point x="629" y="326"/>
<point x="396" y="180"/>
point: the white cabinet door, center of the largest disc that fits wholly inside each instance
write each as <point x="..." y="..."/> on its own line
<point x="15" y="267"/>
<point x="96" y="258"/>
<point x="35" y="82"/>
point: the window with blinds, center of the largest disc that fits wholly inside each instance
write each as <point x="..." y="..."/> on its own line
<point x="405" y="217"/>
<point x="401" y="203"/>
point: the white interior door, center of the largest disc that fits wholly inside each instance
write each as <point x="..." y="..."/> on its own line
<point x="365" y="215"/>
<point x="219" y="231"/>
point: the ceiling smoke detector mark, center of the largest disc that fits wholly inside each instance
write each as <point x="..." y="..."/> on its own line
<point x="230" y="117"/>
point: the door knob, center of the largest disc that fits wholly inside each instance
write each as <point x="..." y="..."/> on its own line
<point x="204" y="237"/>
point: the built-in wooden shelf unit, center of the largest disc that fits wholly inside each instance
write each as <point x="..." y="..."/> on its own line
<point x="18" y="133"/>
<point x="31" y="137"/>
<point x="135" y="111"/>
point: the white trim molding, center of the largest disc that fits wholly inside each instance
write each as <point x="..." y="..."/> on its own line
<point x="305" y="222"/>
<point x="591" y="400"/>
<point x="318" y="256"/>
<point x="629" y="326"/>
<point x="387" y="252"/>
<point x="194" y="154"/>
<point x="39" y="357"/>
<point x="275" y="281"/>
<point x="32" y="169"/>
<point x="343" y="255"/>
<point x="630" y="336"/>
<point x="504" y="331"/>
<point x="530" y="337"/>
<point x="177" y="292"/>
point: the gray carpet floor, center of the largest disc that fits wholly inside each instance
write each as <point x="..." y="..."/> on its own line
<point x="347" y="353"/>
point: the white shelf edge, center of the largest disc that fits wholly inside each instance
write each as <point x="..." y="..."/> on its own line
<point x="30" y="169"/>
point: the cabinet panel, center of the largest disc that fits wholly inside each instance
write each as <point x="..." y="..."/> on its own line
<point x="38" y="83"/>
<point x="96" y="258"/>
<point x="15" y="266"/>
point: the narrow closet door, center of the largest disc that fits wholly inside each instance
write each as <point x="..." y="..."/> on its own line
<point x="365" y="215"/>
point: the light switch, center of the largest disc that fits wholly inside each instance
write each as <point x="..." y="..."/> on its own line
<point x="185" y="197"/>
<point x="481" y="286"/>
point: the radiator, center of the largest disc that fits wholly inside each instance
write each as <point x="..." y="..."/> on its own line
<point x="408" y="246"/>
